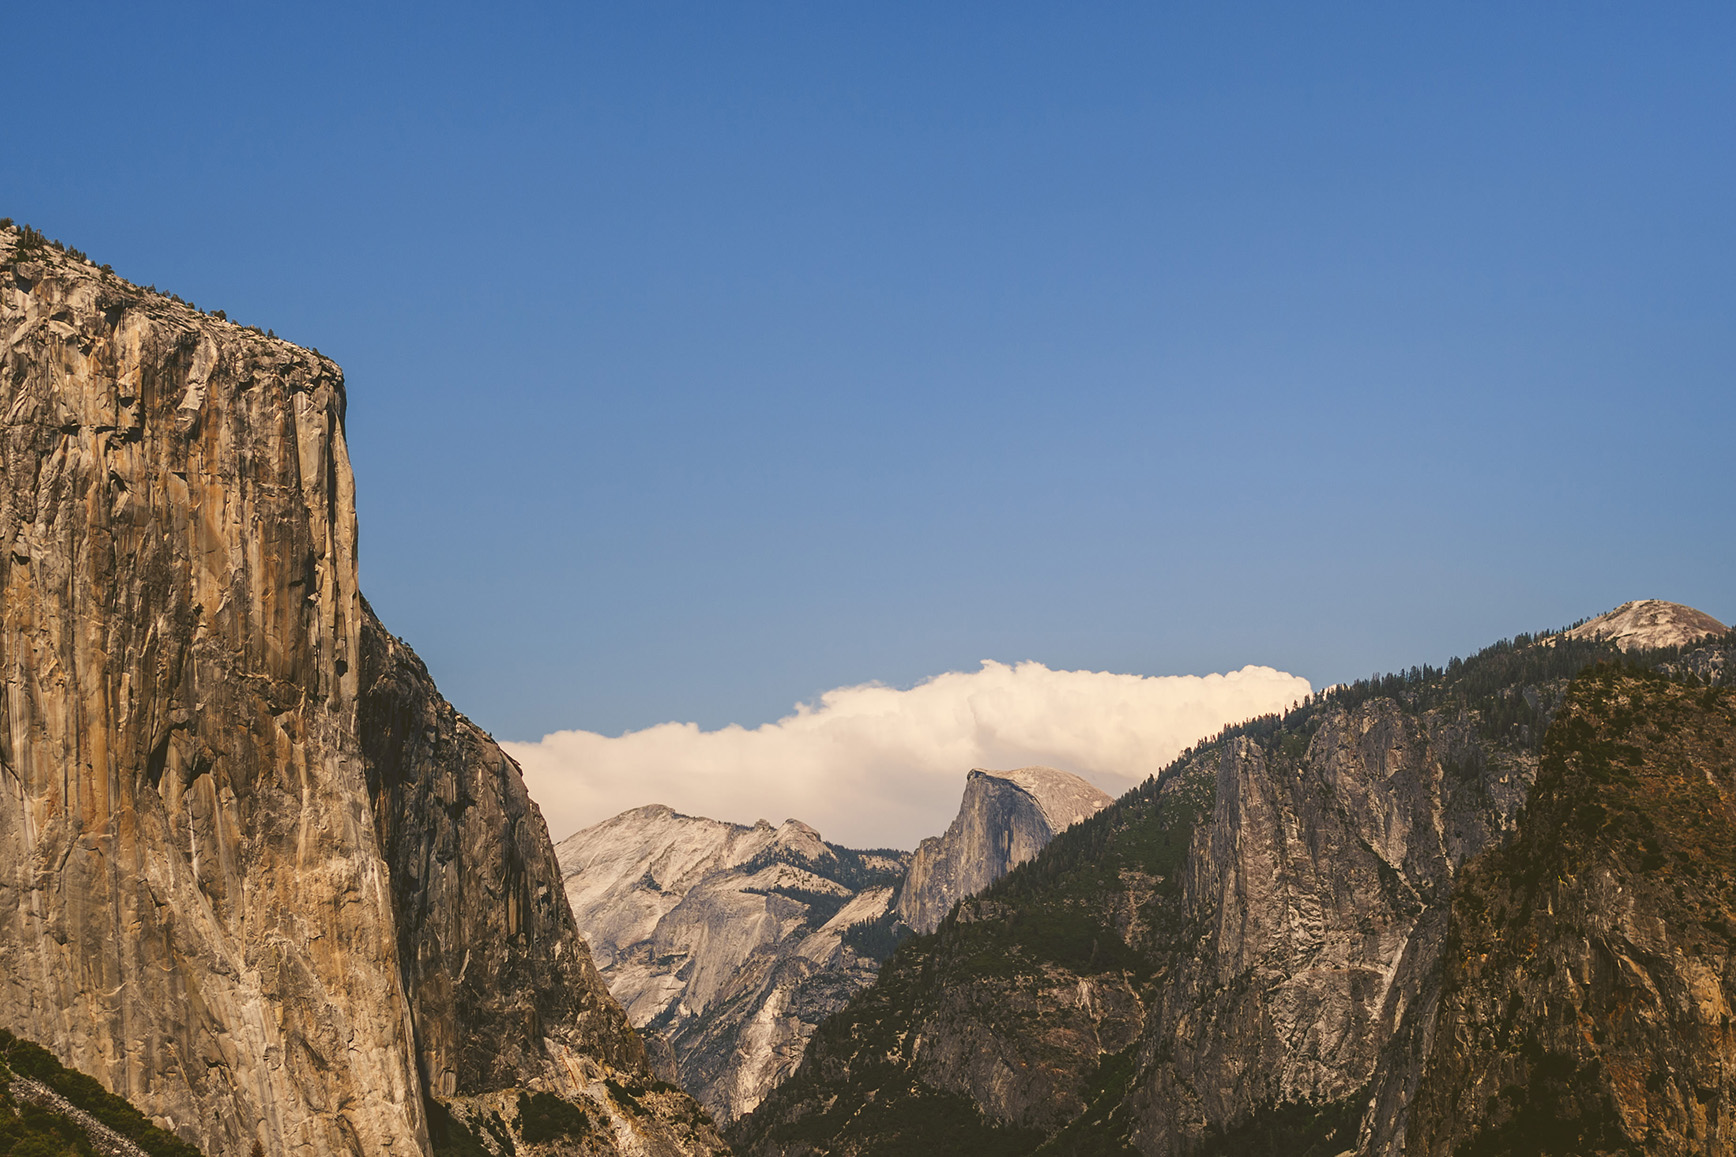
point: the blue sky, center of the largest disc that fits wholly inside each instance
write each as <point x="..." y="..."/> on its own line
<point x="705" y="357"/>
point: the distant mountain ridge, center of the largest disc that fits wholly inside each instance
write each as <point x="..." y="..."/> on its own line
<point x="728" y="942"/>
<point x="732" y="943"/>
<point x="1246" y="955"/>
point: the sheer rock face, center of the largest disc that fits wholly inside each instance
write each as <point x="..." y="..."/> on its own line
<point x="502" y="989"/>
<point x="1318" y="888"/>
<point x="1261" y="926"/>
<point x="1591" y="966"/>
<point x="726" y="941"/>
<point x="1005" y="818"/>
<point x="193" y="907"/>
<point x="1647" y="623"/>
<point x="237" y="884"/>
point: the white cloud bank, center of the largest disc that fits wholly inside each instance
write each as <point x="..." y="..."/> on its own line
<point x="875" y="766"/>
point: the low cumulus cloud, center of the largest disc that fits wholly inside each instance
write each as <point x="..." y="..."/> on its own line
<point x="874" y="766"/>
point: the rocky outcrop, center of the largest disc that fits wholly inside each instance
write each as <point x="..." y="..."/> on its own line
<point x="1591" y="966"/>
<point x="1005" y="819"/>
<point x="731" y="943"/>
<point x="1243" y="933"/>
<point x="1647" y="624"/>
<point x="255" y="874"/>
<point x="1246" y="951"/>
<point x="101" y="1138"/>
<point x="503" y="993"/>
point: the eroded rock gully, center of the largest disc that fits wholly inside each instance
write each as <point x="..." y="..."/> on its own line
<point x="255" y="874"/>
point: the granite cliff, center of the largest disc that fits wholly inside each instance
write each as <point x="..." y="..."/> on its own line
<point x="1591" y="965"/>
<point x="1005" y="818"/>
<point x="1244" y="955"/>
<point x="256" y="875"/>
<point x="730" y="943"/>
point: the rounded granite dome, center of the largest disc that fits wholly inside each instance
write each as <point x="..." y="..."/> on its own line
<point x="1648" y="623"/>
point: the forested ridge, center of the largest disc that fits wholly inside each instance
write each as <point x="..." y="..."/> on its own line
<point x="1102" y="907"/>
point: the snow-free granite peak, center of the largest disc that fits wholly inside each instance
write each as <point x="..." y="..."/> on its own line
<point x="728" y="942"/>
<point x="731" y="943"/>
<point x="1004" y="819"/>
<point x="1648" y="623"/>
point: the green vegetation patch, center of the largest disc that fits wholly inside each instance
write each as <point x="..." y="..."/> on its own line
<point x="1559" y="1111"/>
<point x="1061" y="908"/>
<point x="916" y="1120"/>
<point x="450" y="1135"/>
<point x="1630" y="779"/>
<point x="27" y="1059"/>
<point x="626" y="1094"/>
<point x="856" y="869"/>
<point x="546" y="1117"/>
<point x="821" y="906"/>
<point x="31" y="1131"/>
<point x="1102" y="1129"/>
<point x="1635" y="783"/>
<point x="877" y="939"/>
<point x="1290" y="1129"/>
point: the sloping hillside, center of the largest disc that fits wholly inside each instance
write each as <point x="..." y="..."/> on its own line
<point x="1591" y="965"/>
<point x="49" y="1110"/>
<point x="1241" y="956"/>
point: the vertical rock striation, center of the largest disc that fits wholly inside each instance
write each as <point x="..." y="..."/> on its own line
<point x="500" y="983"/>
<point x="192" y="902"/>
<point x="1315" y="897"/>
<point x="1004" y="819"/>
<point x="255" y="875"/>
